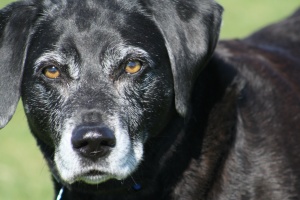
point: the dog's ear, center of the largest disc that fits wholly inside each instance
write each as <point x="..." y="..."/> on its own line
<point x="191" y="31"/>
<point x="15" y="26"/>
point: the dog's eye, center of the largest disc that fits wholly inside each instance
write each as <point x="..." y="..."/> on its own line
<point x="51" y="72"/>
<point x="133" y="67"/>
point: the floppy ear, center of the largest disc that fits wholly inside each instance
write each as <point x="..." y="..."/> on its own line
<point x="15" y="25"/>
<point x="191" y="31"/>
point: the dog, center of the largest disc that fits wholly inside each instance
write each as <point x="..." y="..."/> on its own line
<point x="125" y="102"/>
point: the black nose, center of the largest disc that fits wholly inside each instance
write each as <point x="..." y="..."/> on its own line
<point x="93" y="141"/>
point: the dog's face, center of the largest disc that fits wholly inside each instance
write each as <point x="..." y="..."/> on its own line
<point x="101" y="78"/>
<point x="94" y="90"/>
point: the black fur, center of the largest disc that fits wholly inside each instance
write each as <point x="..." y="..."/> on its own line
<point x="229" y="132"/>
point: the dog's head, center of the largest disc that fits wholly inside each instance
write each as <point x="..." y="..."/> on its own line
<point x="99" y="78"/>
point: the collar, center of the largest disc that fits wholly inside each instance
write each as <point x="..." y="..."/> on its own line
<point x="59" y="196"/>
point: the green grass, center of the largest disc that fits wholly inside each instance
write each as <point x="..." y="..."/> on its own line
<point x="242" y="17"/>
<point x="23" y="172"/>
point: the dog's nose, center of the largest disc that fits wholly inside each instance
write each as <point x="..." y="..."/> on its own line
<point x="93" y="141"/>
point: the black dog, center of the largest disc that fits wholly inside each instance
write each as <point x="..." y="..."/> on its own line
<point x="114" y="96"/>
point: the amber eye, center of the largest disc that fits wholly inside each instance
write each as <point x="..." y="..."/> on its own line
<point x="51" y="72"/>
<point x="133" y="67"/>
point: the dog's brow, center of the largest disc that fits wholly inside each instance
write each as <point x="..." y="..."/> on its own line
<point x="133" y="50"/>
<point x="121" y="52"/>
<point x="49" y="56"/>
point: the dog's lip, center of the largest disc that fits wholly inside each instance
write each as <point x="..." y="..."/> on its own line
<point x="93" y="173"/>
<point x="93" y="177"/>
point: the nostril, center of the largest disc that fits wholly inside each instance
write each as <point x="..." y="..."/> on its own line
<point x="77" y="144"/>
<point x="93" y="141"/>
<point x="107" y="143"/>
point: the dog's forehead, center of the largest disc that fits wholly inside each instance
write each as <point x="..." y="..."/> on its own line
<point x="58" y="5"/>
<point x="97" y="26"/>
<point x="86" y="16"/>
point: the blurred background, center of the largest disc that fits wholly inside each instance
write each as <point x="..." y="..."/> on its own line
<point x="23" y="172"/>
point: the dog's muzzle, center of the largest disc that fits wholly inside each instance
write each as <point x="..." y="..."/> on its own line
<point x="93" y="151"/>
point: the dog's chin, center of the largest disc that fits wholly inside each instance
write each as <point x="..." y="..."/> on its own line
<point x="95" y="177"/>
<point x="105" y="184"/>
<point x="95" y="181"/>
<point x="96" y="173"/>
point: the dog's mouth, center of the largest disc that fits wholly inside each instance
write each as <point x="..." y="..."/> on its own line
<point x="93" y="177"/>
<point x="94" y="173"/>
<point x="89" y="182"/>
